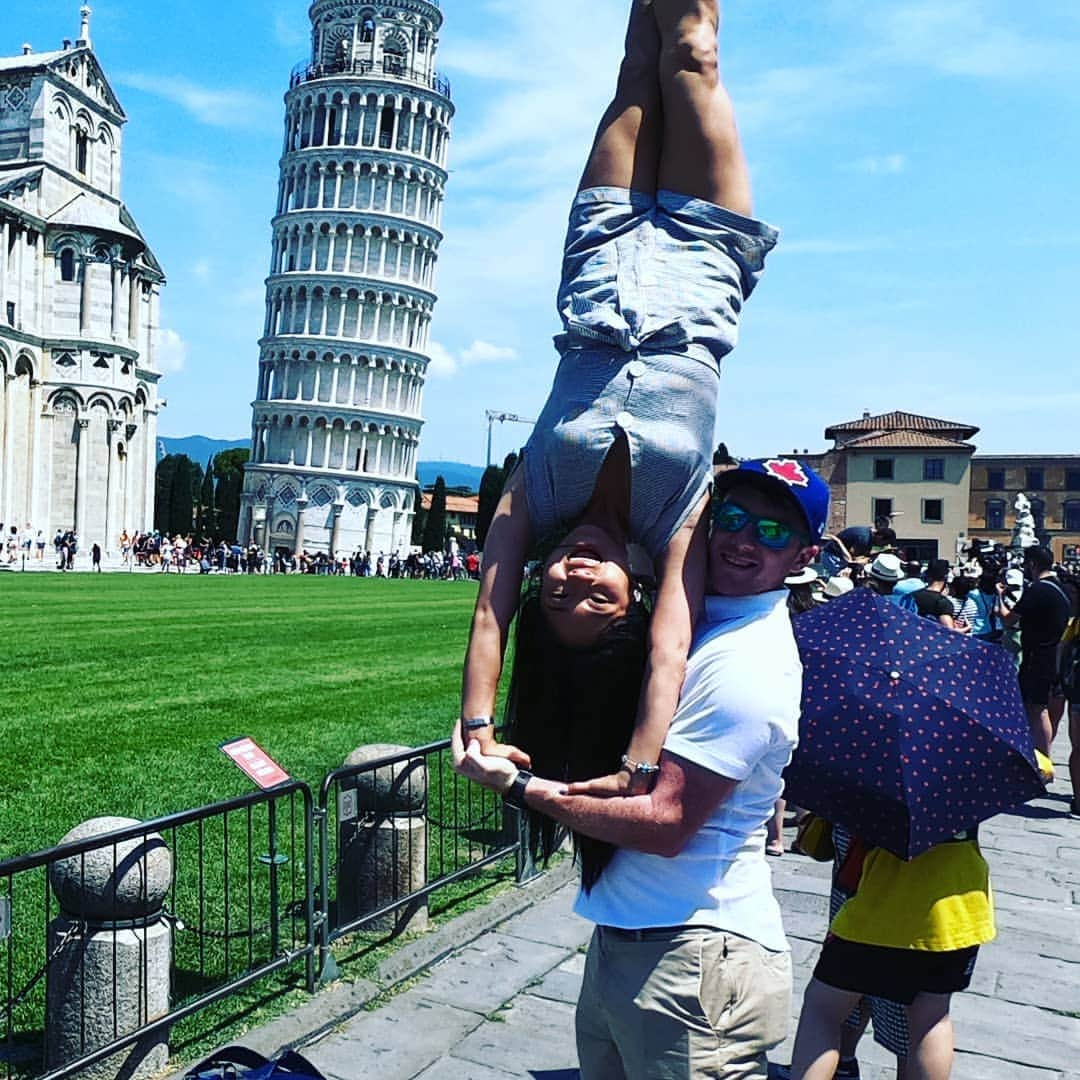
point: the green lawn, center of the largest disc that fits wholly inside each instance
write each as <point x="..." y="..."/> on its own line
<point x="119" y="688"/>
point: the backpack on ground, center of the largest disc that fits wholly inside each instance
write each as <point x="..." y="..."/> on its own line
<point x="240" y="1063"/>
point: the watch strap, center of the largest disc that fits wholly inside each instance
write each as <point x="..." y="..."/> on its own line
<point x="515" y="795"/>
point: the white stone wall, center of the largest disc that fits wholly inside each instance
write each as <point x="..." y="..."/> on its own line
<point x="350" y="296"/>
<point x="78" y="389"/>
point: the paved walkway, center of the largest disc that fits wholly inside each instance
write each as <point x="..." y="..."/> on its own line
<point x="503" y="1005"/>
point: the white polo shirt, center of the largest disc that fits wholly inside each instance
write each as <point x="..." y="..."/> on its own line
<point x="738" y="716"/>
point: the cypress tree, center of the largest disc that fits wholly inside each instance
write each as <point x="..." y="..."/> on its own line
<point x="205" y="528"/>
<point x="491" y="485"/>
<point x="186" y="481"/>
<point x="164" y="476"/>
<point x="229" y="470"/>
<point x="434" y="537"/>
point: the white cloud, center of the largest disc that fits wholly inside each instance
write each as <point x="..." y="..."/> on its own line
<point x="445" y="363"/>
<point x="202" y="270"/>
<point x="218" y="108"/>
<point x="170" y="351"/>
<point x="483" y="352"/>
<point x="884" y="165"/>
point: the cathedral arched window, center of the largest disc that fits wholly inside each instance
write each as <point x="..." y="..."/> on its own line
<point x="67" y="265"/>
<point x="367" y="30"/>
<point x="82" y="151"/>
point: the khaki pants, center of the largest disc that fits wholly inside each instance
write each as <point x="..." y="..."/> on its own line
<point x="680" y="1004"/>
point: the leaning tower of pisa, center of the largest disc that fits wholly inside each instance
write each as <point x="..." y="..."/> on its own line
<point x="338" y="410"/>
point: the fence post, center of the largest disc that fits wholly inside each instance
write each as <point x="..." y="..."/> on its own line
<point x="382" y="840"/>
<point x="113" y="952"/>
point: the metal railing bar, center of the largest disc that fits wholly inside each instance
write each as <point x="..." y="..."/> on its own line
<point x="132" y="832"/>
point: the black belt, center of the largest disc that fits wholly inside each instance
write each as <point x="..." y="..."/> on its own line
<point x="649" y="933"/>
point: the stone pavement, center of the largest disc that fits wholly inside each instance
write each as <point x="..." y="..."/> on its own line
<point x="503" y="1005"/>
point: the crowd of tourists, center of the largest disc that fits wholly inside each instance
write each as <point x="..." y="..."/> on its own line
<point x="686" y="645"/>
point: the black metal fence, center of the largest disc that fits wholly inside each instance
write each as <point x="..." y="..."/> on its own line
<point x="232" y="893"/>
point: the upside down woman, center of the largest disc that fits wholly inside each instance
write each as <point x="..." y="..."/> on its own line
<point x="660" y="255"/>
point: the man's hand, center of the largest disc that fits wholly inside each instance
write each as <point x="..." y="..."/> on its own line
<point x="613" y="786"/>
<point x="490" y="771"/>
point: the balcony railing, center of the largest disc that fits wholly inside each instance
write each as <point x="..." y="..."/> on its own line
<point x="388" y="69"/>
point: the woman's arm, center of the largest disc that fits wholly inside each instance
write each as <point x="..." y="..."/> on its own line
<point x="679" y="600"/>
<point x="505" y="549"/>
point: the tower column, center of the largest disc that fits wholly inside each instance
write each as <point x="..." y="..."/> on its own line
<point x="84" y="296"/>
<point x="82" y="465"/>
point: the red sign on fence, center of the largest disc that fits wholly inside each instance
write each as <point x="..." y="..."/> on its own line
<point x="248" y="756"/>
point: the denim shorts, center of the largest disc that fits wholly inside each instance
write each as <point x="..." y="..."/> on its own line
<point x="650" y="298"/>
<point x="661" y="272"/>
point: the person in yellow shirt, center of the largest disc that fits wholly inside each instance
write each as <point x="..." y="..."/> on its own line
<point x="910" y="934"/>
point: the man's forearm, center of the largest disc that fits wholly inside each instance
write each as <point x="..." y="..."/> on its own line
<point x="632" y="821"/>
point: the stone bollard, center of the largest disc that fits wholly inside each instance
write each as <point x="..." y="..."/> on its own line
<point x="112" y="976"/>
<point x="382" y="840"/>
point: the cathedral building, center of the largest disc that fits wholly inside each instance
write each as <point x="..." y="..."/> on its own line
<point x="79" y="292"/>
<point x="349" y="299"/>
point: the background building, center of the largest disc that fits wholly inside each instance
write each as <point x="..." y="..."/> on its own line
<point x="79" y="290"/>
<point x="1052" y="484"/>
<point x="349" y="299"/>
<point x="924" y="473"/>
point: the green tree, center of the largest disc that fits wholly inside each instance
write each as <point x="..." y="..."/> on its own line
<point x="229" y="471"/>
<point x="491" y="485"/>
<point x="163" y="485"/>
<point x="434" y="536"/>
<point x="187" y="478"/>
<point x="204" y="511"/>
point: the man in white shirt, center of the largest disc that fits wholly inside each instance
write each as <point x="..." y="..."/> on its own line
<point x="688" y="973"/>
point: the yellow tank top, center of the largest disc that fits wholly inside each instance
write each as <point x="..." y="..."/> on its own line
<point x="939" y="901"/>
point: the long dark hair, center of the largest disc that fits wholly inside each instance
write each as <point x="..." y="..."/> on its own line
<point x="573" y="711"/>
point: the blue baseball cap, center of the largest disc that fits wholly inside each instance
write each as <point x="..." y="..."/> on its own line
<point x="790" y="476"/>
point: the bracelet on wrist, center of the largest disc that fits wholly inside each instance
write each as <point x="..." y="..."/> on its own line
<point x="638" y="768"/>
<point x="477" y="723"/>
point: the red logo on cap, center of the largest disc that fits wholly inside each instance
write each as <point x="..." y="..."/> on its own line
<point x="791" y="472"/>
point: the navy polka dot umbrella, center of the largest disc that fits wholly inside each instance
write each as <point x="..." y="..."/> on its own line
<point x="910" y="733"/>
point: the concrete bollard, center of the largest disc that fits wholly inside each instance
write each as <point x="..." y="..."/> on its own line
<point x="112" y="977"/>
<point x="382" y="840"/>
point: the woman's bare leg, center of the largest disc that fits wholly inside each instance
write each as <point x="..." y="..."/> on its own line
<point x="701" y="154"/>
<point x="626" y="150"/>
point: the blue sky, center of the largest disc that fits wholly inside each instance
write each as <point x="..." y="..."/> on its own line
<point x="920" y="158"/>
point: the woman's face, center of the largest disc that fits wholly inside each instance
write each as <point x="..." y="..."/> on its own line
<point x="586" y="586"/>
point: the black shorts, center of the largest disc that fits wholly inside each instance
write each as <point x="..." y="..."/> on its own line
<point x="894" y="974"/>
<point x="1038" y="678"/>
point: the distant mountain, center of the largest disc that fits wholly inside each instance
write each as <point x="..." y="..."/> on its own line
<point x="199" y="448"/>
<point x="454" y="473"/>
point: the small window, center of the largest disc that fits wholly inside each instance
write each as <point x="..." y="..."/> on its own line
<point x="1035" y="480"/>
<point x="995" y="479"/>
<point x="995" y="514"/>
<point x="10" y="313"/>
<point x="82" y="151"/>
<point x="367" y="31"/>
<point x="883" y="468"/>
<point x="882" y="509"/>
<point x="1038" y="512"/>
<point x="67" y="265"/>
<point x="933" y="468"/>
<point x="1072" y="479"/>
<point x="1071" y="514"/>
<point x="932" y="511"/>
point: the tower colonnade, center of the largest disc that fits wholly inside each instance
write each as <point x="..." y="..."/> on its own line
<point x="350" y="294"/>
